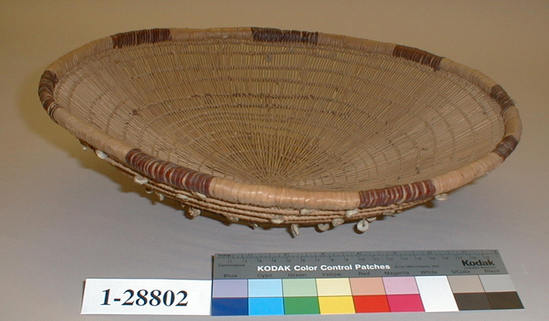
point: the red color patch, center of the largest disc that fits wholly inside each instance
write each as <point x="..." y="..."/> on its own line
<point x="371" y="303"/>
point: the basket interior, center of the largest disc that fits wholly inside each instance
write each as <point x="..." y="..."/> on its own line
<point x="293" y="115"/>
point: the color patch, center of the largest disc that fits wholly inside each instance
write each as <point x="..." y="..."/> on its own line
<point x="301" y="305"/>
<point x="465" y="284"/>
<point x="497" y="283"/>
<point x="367" y="286"/>
<point x="472" y="301"/>
<point x="230" y="289"/>
<point x="400" y="285"/>
<point x="229" y="306"/>
<point x="264" y="288"/>
<point x="333" y="287"/>
<point x="371" y="303"/>
<point x="405" y="303"/>
<point x="436" y="294"/>
<point x="299" y="287"/>
<point x="265" y="306"/>
<point x="504" y="300"/>
<point x="336" y="304"/>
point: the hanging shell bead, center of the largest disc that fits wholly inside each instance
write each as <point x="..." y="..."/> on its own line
<point x="101" y="154"/>
<point x="140" y="180"/>
<point x="294" y="230"/>
<point x="350" y="213"/>
<point x="183" y="197"/>
<point x="362" y="225"/>
<point x="232" y="219"/>
<point x="277" y="220"/>
<point x="441" y="197"/>
<point x="337" y="221"/>
<point x="323" y="227"/>
<point x="193" y="211"/>
<point x="199" y="195"/>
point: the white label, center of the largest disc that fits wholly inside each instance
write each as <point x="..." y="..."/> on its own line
<point x="147" y="296"/>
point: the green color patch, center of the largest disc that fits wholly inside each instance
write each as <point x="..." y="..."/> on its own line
<point x="299" y="287"/>
<point x="301" y="305"/>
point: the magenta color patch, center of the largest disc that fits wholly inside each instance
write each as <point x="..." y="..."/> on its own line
<point x="400" y="285"/>
<point x="405" y="303"/>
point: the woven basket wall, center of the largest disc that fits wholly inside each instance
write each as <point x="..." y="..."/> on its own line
<point x="281" y="127"/>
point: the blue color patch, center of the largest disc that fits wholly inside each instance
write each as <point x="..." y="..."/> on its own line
<point x="229" y="306"/>
<point x="266" y="306"/>
<point x="230" y="288"/>
<point x="264" y="288"/>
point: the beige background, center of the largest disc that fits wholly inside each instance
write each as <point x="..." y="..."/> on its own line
<point x="66" y="216"/>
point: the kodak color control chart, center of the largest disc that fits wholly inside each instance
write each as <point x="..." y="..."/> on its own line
<point x="360" y="282"/>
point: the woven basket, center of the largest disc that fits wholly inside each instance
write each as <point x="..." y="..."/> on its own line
<point x="290" y="128"/>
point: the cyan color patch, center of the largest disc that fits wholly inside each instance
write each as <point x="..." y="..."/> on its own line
<point x="265" y="306"/>
<point x="264" y="288"/>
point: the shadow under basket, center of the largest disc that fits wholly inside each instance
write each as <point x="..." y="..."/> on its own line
<point x="281" y="127"/>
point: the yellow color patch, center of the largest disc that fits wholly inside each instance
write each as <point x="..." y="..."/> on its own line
<point x="336" y="305"/>
<point x="333" y="287"/>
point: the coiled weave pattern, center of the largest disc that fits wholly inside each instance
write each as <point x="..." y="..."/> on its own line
<point x="282" y="126"/>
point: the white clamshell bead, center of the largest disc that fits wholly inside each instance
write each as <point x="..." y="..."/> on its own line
<point x="101" y="154"/>
<point x="337" y="221"/>
<point x="140" y="180"/>
<point x="183" y="197"/>
<point x="441" y="197"/>
<point x="294" y="229"/>
<point x="148" y="190"/>
<point x="160" y="196"/>
<point x="277" y="220"/>
<point x="323" y="227"/>
<point x="350" y="213"/>
<point x="193" y="211"/>
<point x="199" y="195"/>
<point x="362" y="225"/>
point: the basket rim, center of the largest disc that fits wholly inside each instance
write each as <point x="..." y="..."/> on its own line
<point x="204" y="186"/>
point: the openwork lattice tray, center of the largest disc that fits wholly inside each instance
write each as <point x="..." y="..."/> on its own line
<point x="268" y="126"/>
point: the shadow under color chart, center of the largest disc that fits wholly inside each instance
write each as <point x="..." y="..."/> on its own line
<point x="361" y="282"/>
